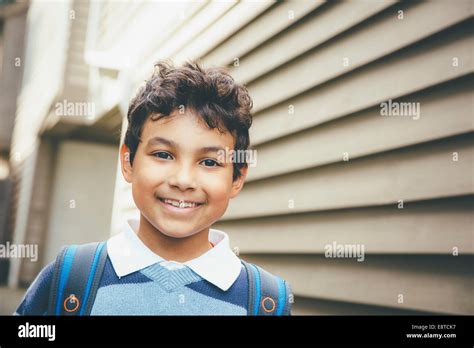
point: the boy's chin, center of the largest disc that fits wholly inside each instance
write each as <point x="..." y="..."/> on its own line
<point x="176" y="231"/>
<point x="178" y="234"/>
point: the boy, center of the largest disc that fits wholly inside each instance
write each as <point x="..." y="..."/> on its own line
<point x="181" y="125"/>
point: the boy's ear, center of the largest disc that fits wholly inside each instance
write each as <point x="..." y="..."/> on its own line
<point x="238" y="184"/>
<point x="127" y="168"/>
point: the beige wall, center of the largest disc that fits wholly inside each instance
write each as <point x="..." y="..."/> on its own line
<point x="42" y="66"/>
<point x="82" y="196"/>
<point x="12" y="37"/>
<point x="408" y="251"/>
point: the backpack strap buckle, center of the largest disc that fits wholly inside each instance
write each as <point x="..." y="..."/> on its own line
<point x="267" y="293"/>
<point x="76" y="278"/>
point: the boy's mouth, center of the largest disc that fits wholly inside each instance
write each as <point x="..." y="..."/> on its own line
<point x="181" y="204"/>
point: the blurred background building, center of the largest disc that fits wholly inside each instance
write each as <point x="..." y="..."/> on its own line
<point x="331" y="168"/>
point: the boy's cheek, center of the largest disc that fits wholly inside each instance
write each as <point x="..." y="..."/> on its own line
<point x="145" y="178"/>
<point x="219" y="201"/>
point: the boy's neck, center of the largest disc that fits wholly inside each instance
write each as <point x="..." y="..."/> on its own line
<point x="173" y="249"/>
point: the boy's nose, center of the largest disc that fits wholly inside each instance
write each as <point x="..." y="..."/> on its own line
<point x="183" y="178"/>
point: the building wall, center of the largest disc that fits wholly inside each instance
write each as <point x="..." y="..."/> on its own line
<point x="55" y="71"/>
<point x="81" y="203"/>
<point x="335" y="170"/>
<point x="12" y="37"/>
<point x="42" y="68"/>
<point x="12" y="34"/>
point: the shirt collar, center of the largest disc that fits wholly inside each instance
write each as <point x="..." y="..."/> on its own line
<point x="219" y="265"/>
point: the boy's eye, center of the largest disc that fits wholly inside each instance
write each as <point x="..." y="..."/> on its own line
<point x="210" y="163"/>
<point x="163" y="155"/>
<point x="167" y="156"/>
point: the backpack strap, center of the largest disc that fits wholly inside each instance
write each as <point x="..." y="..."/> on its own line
<point x="76" y="278"/>
<point x="268" y="293"/>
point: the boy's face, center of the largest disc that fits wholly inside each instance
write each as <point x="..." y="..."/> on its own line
<point x="177" y="159"/>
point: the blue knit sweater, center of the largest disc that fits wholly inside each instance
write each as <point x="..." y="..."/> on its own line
<point x="154" y="290"/>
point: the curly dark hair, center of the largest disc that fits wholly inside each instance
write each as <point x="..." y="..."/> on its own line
<point x="211" y="93"/>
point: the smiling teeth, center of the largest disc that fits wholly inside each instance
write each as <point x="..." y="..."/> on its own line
<point x="181" y="204"/>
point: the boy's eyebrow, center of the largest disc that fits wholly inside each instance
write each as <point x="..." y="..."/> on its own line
<point x="171" y="143"/>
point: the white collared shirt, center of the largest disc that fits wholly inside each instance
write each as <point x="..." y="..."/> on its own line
<point x="219" y="265"/>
